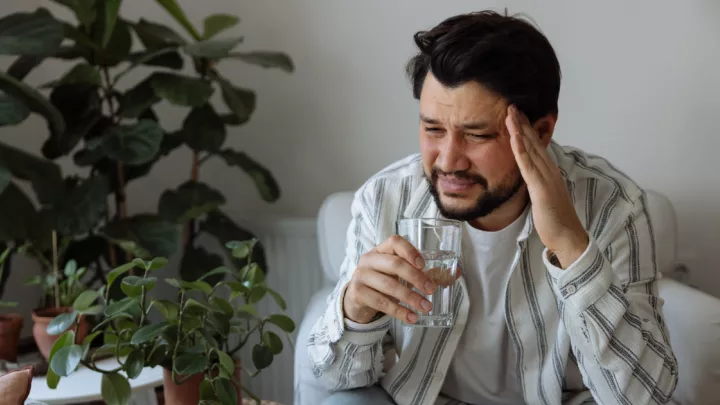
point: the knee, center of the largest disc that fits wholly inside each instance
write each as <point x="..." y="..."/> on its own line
<point x="360" y="396"/>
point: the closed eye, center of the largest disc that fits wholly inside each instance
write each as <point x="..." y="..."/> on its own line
<point x="483" y="136"/>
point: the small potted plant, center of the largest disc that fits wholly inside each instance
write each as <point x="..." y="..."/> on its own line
<point x="10" y="324"/>
<point x="197" y="342"/>
<point x="60" y="291"/>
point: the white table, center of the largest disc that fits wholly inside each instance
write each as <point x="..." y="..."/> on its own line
<point x="84" y="386"/>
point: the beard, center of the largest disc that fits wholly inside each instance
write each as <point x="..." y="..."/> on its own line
<point x="488" y="202"/>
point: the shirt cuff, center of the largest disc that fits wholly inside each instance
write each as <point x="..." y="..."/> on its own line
<point x="584" y="281"/>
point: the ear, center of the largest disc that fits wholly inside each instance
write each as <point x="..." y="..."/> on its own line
<point x="545" y="127"/>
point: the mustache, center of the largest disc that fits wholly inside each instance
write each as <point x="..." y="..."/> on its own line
<point x="460" y="174"/>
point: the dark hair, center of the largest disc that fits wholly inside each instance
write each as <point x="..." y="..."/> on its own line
<point x="505" y="54"/>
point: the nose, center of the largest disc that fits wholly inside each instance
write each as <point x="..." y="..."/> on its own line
<point x="452" y="156"/>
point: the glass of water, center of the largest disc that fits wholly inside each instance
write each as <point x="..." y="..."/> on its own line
<point x="438" y="241"/>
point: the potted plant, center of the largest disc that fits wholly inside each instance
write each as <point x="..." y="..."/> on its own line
<point x="60" y="290"/>
<point x="101" y="115"/>
<point x="197" y="342"/>
<point x="10" y="324"/>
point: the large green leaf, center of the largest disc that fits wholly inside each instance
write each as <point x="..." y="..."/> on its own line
<point x="190" y="200"/>
<point x="16" y="214"/>
<point x="23" y="65"/>
<point x="225" y="230"/>
<point x="262" y="356"/>
<point x="168" y="309"/>
<point x="283" y="321"/>
<point x="133" y="286"/>
<point x="213" y="48"/>
<point x="240" y="101"/>
<point x="264" y="180"/>
<point x="204" y="130"/>
<point x="115" y="389"/>
<point x="35" y="33"/>
<point x="33" y="100"/>
<point x="65" y="340"/>
<point x="217" y="23"/>
<point x="80" y="106"/>
<point x="82" y="208"/>
<point x="145" y="235"/>
<point x="156" y="36"/>
<point x="85" y="10"/>
<point x="177" y="12"/>
<point x="138" y="99"/>
<point x="166" y="58"/>
<point x="61" y="323"/>
<point x="135" y="363"/>
<point x="44" y="175"/>
<point x="226" y="391"/>
<point x="119" y="46"/>
<point x="266" y="59"/>
<point x="82" y="73"/>
<point x="12" y="111"/>
<point x="108" y="17"/>
<point x="195" y="263"/>
<point x="122" y="306"/>
<point x="135" y="144"/>
<point x="66" y="360"/>
<point x="190" y="363"/>
<point x="85" y="300"/>
<point x="148" y="333"/>
<point x="181" y="90"/>
<point x="273" y="342"/>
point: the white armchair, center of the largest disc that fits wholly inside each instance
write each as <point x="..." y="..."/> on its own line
<point x="693" y="317"/>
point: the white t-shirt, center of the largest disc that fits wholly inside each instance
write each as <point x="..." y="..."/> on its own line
<point x="482" y="370"/>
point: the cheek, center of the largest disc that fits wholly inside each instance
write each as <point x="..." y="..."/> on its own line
<point x="429" y="151"/>
<point x="493" y="160"/>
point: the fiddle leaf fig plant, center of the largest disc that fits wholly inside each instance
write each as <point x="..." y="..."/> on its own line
<point x="202" y="332"/>
<point x="106" y="124"/>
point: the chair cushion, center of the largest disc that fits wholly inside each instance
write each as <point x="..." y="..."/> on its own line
<point x="15" y="386"/>
<point x="333" y="221"/>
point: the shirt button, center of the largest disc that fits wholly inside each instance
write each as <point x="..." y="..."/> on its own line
<point x="571" y="289"/>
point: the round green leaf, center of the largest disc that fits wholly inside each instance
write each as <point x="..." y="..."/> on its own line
<point x="262" y="357"/>
<point x="272" y="342"/>
<point x="115" y="389"/>
<point x="135" y="363"/>
<point x="85" y="300"/>
<point x="240" y="101"/>
<point x="189" y="201"/>
<point x="172" y="7"/>
<point x="257" y="292"/>
<point x="133" y="144"/>
<point x="122" y="306"/>
<point x="213" y="48"/>
<point x="264" y="181"/>
<point x="67" y="339"/>
<point x="66" y="360"/>
<point x="168" y="309"/>
<point x="237" y="287"/>
<point x="156" y="36"/>
<point x="247" y="309"/>
<point x="181" y="90"/>
<point x="226" y="362"/>
<point x="204" y="130"/>
<point x="284" y="322"/>
<point x="224" y="306"/>
<point x="157" y="263"/>
<point x="277" y="297"/>
<point x="61" y="323"/>
<point x="207" y="393"/>
<point x="145" y="235"/>
<point x="254" y="275"/>
<point x="118" y="271"/>
<point x="148" y="333"/>
<point x="132" y="285"/>
<point x="82" y="73"/>
<point x="35" y="33"/>
<point x="226" y="391"/>
<point x="190" y="363"/>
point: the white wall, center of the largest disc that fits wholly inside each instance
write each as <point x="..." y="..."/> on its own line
<point x="640" y="87"/>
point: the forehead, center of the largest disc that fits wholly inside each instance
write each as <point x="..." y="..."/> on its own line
<point x="467" y="102"/>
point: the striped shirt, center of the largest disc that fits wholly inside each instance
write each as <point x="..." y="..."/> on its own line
<point x="600" y="319"/>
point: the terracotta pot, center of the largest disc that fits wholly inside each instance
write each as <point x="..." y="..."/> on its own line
<point x="42" y="318"/>
<point x="188" y="393"/>
<point x="10" y="327"/>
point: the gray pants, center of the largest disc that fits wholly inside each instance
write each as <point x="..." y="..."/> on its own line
<point x="360" y="396"/>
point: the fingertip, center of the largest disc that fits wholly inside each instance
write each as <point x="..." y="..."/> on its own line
<point x="419" y="262"/>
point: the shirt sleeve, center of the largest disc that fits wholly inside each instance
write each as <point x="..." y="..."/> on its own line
<point x="613" y="300"/>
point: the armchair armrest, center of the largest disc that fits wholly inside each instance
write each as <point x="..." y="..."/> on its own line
<point x="693" y="320"/>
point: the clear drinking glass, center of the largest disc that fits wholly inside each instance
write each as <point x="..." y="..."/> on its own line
<point x="438" y="241"/>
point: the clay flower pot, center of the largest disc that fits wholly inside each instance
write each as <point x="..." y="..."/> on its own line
<point x="10" y="327"/>
<point x="188" y="393"/>
<point x="42" y="318"/>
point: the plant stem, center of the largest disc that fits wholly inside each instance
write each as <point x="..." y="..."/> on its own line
<point x="242" y="343"/>
<point x="179" y="335"/>
<point x="93" y="368"/>
<point x="56" y="272"/>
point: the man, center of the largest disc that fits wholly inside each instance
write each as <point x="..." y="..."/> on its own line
<point x="557" y="300"/>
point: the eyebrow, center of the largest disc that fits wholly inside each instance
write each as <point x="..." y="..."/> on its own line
<point x="476" y="125"/>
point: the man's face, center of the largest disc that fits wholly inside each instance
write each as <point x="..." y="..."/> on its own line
<point x="466" y="151"/>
